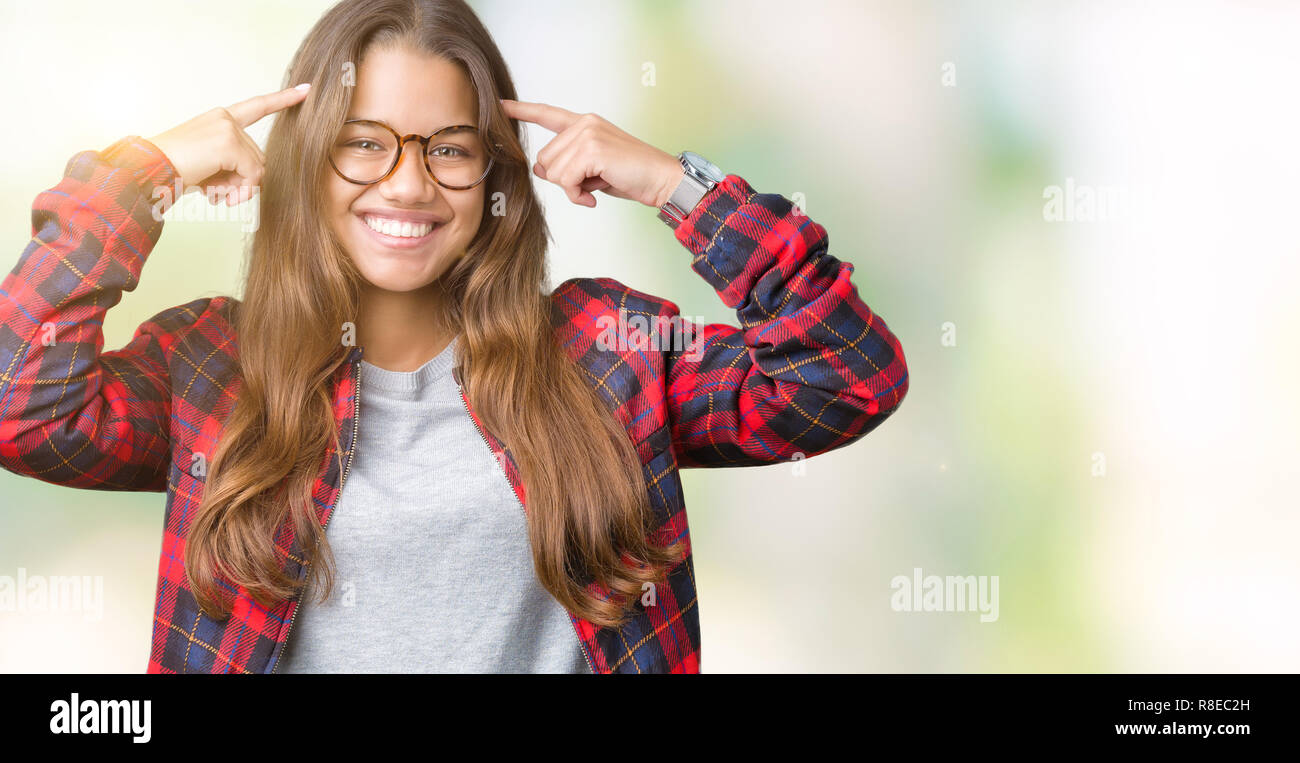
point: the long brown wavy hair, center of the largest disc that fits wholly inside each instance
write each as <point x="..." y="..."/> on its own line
<point x="587" y="503"/>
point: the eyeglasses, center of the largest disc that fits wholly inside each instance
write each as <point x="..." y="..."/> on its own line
<point x="367" y="152"/>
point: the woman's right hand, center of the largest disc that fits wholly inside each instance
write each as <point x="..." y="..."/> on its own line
<point x="212" y="149"/>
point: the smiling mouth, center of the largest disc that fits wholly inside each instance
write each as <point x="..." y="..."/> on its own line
<point x="398" y="228"/>
<point x="398" y="233"/>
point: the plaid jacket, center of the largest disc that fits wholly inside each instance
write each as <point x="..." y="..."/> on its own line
<point x="809" y="369"/>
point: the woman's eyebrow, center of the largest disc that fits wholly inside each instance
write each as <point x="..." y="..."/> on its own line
<point x="390" y="124"/>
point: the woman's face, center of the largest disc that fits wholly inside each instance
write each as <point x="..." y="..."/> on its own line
<point x="412" y="93"/>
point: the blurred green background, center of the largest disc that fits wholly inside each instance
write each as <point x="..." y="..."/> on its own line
<point x="1155" y="337"/>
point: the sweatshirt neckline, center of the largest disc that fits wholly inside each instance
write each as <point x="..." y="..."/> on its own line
<point x="435" y="368"/>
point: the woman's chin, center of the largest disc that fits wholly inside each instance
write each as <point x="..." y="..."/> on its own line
<point x="398" y="277"/>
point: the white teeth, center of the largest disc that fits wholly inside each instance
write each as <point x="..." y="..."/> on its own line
<point x="398" y="228"/>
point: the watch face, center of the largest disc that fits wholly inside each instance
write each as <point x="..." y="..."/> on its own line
<point x="705" y="167"/>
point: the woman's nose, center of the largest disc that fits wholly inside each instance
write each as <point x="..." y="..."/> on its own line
<point x="411" y="178"/>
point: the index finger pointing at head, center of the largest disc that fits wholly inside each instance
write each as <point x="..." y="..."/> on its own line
<point x="551" y="117"/>
<point x="249" y="111"/>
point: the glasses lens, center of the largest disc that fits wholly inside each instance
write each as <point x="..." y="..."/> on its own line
<point x="364" y="151"/>
<point x="457" y="157"/>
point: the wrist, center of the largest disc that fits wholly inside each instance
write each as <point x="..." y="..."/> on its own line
<point x="672" y="177"/>
<point x="696" y="177"/>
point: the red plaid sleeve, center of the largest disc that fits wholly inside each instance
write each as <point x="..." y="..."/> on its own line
<point x="69" y="413"/>
<point x="810" y="367"/>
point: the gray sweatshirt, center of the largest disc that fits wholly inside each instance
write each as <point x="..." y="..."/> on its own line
<point x="434" y="569"/>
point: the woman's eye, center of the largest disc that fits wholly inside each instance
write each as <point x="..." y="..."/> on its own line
<point x="457" y="152"/>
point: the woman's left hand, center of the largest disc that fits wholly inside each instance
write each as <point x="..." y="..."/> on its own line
<point x="590" y="154"/>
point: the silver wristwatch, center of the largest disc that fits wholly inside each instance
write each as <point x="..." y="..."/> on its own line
<point x="699" y="176"/>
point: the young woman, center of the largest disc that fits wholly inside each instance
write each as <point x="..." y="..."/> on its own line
<point x="505" y="495"/>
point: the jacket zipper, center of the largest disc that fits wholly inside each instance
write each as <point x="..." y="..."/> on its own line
<point x="356" y="423"/>
<point x="581" y="646"/>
